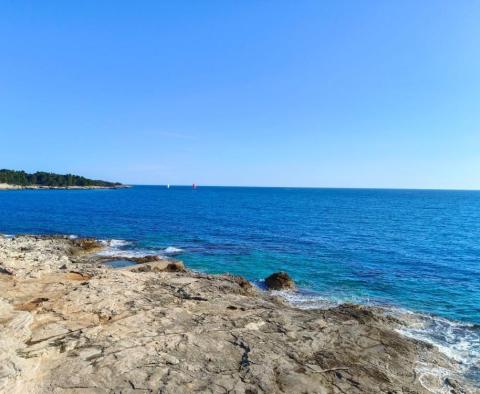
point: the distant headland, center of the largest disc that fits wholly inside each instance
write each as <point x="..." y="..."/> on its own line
<point x="14" y="180"/>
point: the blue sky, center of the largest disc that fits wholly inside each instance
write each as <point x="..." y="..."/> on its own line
<point x="272" y="93"/>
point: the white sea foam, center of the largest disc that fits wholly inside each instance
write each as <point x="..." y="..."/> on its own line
<point x="120" y="248"/>
<point x="113" y="247"/>
<point x="305" y="301"/>
<point x="432" y="378"/>
<point x="73" y="236"/>
<point x="172" y="250"/>
<point x="113" y="252"/>
<point x="114" y="243"/>
<point x="458" y="341"/>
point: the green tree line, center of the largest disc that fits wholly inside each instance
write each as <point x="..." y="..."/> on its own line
<point x="49" y="179"/>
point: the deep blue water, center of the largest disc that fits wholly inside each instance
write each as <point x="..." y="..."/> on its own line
<point x="408" y="250"/>
<point x="414" y="249"/>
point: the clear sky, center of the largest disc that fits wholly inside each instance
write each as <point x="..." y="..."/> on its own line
<point x="269" y="93"/>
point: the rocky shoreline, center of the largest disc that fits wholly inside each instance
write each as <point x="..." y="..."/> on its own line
<point x="6" y="186"/>
<point x="70" y="324"/>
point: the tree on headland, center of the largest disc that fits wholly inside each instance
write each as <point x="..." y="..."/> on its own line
<point x="41" y="178"/>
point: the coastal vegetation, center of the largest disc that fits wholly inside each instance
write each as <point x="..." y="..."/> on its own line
<point x="40" y="178"/>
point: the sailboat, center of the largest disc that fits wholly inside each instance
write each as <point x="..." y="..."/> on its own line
<point x="168" y="186"/>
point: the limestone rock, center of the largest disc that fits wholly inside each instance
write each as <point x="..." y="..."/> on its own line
<point x="163" y="329"/>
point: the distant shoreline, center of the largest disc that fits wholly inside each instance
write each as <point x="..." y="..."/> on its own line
<point x="6" y="186"/>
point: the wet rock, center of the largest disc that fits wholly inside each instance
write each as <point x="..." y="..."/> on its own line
<point x="144" y="259"/>
<point x="452" y="383"/>
<point x="280" y="281"/>
<point x="175" y="266"/>
<point x="158" y="266"/>
<point x="87" y="244"/>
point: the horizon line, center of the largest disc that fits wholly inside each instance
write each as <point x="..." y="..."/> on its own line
<point x="306" y="187"/>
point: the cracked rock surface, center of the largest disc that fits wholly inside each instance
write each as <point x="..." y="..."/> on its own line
<point x="71" y="325"/>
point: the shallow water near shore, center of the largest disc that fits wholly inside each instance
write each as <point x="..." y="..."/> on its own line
<point x="407" y="250"/>
<point x="119" y="263"/>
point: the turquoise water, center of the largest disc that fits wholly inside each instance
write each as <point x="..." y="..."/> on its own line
<point x="407" y="249"/>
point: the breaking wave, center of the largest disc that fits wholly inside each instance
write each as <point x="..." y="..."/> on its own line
<point x="114" y="243"/>
<point x="171" y="250"/>
<point x="458" y="341"/>
<point x="122" y="248"/>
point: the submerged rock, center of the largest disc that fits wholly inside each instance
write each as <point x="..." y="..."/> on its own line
<point x="144" y="259"/>
<point x="149" y="258"/>
<point x="157" y="266"/>
<point x="280" y="281"/>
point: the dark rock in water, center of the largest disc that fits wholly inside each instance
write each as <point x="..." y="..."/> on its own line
<point x="158" y="266"/>
<point x="280" y="281"/>
<point x="145" y="259"/>
<point x="87" y="244"/>
<point x="149" y="258"/>
<point x="175" y="266"/>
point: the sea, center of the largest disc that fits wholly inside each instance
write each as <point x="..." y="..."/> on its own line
<point x="415" y="253"/>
